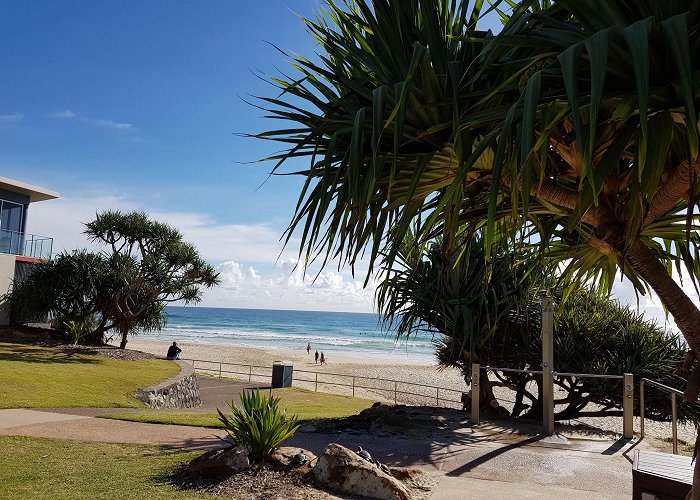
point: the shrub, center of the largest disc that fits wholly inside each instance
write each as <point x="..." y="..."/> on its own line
<point x="78" y="329"/>
<point x="260" y="425"/>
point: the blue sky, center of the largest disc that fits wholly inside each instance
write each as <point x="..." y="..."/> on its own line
<point x="136" y="105"/>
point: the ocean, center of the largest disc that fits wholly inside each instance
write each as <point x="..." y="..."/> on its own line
<point x="349" y="334"/>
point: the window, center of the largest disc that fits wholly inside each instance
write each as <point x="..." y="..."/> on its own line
<point x="10" y="227"/>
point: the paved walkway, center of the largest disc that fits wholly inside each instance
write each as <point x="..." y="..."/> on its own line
<point x="484" y="462"/>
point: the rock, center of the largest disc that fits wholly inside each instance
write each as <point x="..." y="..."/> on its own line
<point x="343" y="470"/>
<point x="414" y="479"/>
<point x="220" y="463"/>
<point x="286" y="457"/>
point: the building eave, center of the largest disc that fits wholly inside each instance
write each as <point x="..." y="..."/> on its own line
<point x="35" y="193"/>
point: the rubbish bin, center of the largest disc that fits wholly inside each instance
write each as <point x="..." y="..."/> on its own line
<point x="282" y="374"/>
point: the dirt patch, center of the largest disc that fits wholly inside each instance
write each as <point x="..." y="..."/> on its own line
<point x="256" y="483"/>
<point x="384" y="420"/>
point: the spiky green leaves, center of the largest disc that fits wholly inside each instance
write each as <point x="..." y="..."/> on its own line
<point x="258" y="423"/>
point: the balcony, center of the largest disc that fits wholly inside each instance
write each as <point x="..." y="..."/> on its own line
<point x="28" y="245"/>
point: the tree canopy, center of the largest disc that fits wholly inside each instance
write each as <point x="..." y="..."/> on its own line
<point x="146" y="265"/>
<point x="573" y="128"/>
<point x="489" y="313"/>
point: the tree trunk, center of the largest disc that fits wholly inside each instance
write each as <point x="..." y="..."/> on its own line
<point x="125" y="334"/>
<point x="485" y="387"/>
<point x="684" y="312"/>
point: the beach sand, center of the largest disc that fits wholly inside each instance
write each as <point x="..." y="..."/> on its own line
<point x="382" y="380"/>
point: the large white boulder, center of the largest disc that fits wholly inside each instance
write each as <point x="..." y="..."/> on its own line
<point x="342" y="470"/>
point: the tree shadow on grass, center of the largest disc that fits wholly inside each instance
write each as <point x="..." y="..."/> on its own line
<point x="44" y="355"/>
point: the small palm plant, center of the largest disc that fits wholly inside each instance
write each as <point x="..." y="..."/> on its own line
<point x="259" y="424"/>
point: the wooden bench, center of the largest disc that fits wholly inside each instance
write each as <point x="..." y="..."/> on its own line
<point x="661" y="476"/>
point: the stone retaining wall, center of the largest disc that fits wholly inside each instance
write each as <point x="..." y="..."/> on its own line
<point x="180" y="391"/>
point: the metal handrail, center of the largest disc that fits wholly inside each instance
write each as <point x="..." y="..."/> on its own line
<point x="674" y="416"/>
<point x="627" y="394"/>
<point x="588" y="375"/>
<point x="512" y="370"/>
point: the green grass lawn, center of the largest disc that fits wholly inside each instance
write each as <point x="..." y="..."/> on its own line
<point x="40" y="377"/>
<point x="307" y="405"/>
<point x="47" y="468"/>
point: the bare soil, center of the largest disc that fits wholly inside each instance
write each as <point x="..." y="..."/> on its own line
<point x="256" y="483"/>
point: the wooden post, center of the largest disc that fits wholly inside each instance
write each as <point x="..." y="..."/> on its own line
<point x="396" y="388"/>
<point x="316" y="386"/>
<point x="628" y="407"/>
<point x="219" y="370"/>
<point x="548" y="366"/>
<point x="475" y="392"/>
<point x="353" y="387"/>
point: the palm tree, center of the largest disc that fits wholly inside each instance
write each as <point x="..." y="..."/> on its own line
<point x="457" y="296"/>
<point x="577" y="121"/>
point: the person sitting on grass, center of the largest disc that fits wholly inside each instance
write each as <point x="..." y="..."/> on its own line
<point x="174" y="351"/>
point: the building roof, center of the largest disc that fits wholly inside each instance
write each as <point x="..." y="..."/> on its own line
<point x="35" y="193"/>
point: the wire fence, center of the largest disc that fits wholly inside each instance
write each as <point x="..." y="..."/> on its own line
<point x="398" y="391"/>
<point x="238" y="371"/>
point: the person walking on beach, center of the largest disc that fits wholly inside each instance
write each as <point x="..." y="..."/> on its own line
<point x="316" y="358"/>
<point x="308" y="348"/>
<point x="323" y="359"/>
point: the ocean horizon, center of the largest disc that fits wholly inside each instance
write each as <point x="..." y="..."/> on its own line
<point x="353" y="334"/>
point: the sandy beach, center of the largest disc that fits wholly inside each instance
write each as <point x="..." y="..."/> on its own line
<point x="382" y="377"/>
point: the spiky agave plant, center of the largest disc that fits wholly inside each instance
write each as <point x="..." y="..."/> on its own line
<point x="259" y="423"/>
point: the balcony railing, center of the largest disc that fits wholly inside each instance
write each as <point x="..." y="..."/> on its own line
<point x="28" y="245"/>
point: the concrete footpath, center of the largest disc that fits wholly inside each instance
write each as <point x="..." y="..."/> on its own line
<point x="467" y="462"/>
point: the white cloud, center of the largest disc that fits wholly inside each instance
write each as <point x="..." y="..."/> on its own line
<point x="330" y="291"/>
<point x="111" y="124"/>
<point x="100" y="122"/>
<point x="252" y="276"/>
<point x="14" y="117"/>
<point x="64" y="115"/>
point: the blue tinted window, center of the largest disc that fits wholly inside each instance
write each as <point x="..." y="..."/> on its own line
<point x="11" y="216"/>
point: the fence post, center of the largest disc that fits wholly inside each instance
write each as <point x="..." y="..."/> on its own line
<point x="250" y="373"/>
<point x="475" y="392"/>
<point x="396" y="388"/>
<point x="219" y="370"/>
<point x="674" y="423"/>
<point x="353" y="386"/>
<point x="437" y="397"/>
<point x="316" y="386"/>
<point x="548" y="366"/>
<point x="641" y="408"/>
<point x="628" y="406"/>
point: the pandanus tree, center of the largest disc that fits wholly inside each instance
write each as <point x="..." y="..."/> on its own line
<point x="577" y="120"/>
<point x="489" y="313"/>
<point x="460" y="299"/>
<point x="145" y="266"/>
